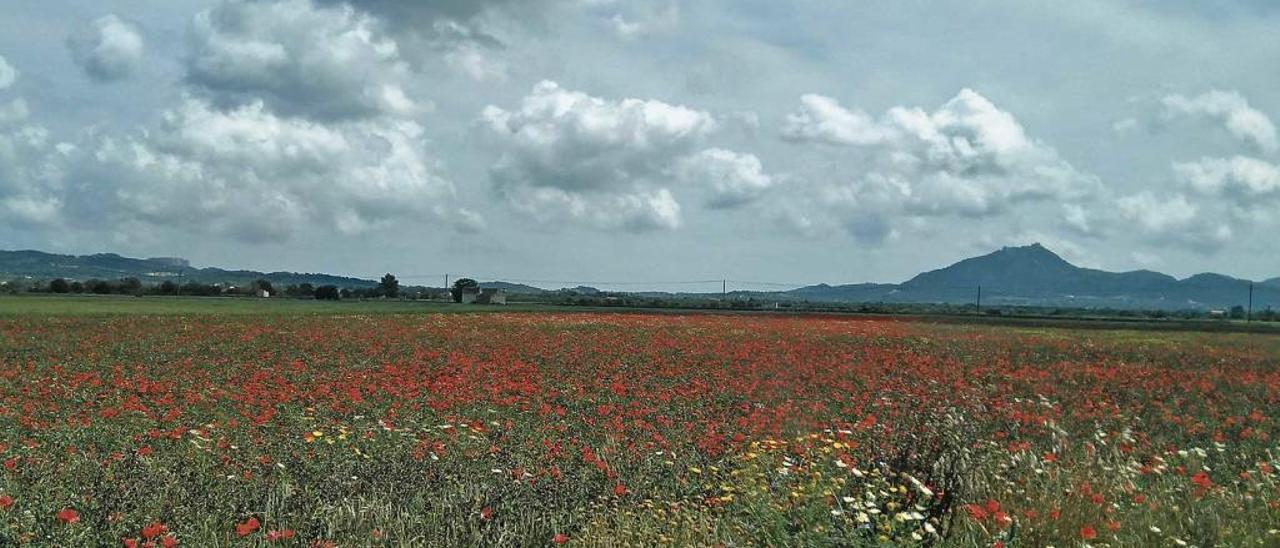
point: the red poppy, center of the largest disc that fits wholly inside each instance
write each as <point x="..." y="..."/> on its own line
<point x="282" y="534"/>
<point x="976" y="512"/>
<point x="154" y="530"/>
<point x="1202" y="480"/>
<point x="1088" y="533"/>
<point x="68" y="516"/>
<point x="486" y="513"/>
<point x="1002" y="519"/>
<point x="619" y="490"/>
<point x="248" y="527"/>
<point x="6" y="502"/>
<point x="169" y="541"/>
<point x="560" y="538"/>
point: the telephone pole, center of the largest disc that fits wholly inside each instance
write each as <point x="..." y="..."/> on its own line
<point x="724" y="288"/>
<point x="978" y="309"/>
<point x="1249" y="315"/>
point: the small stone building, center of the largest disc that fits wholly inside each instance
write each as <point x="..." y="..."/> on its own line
<point x="492" y="296"/>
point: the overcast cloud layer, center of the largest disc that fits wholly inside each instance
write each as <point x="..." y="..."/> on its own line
<point x="643" y="141"/>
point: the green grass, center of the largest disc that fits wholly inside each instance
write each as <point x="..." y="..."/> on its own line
<point x="113" y="305"/>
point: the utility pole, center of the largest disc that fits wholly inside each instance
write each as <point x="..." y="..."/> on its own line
<point x="978" y="309"/>
<point x="724" y="288"/>
<point x="1249" y="316"/>
<point x="446" y="284"/>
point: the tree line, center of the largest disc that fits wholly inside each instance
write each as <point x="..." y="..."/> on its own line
<point x="388" y="287"/>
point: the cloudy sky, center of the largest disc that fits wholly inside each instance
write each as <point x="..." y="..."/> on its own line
<point x="643" y="140"/>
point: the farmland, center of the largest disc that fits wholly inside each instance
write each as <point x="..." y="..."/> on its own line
<point x="385" y="426"/>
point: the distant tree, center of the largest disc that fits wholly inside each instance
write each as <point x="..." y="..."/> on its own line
<point x="264" y="285"/>
<point x="77" y="287"/>
<point x="59" y="286"/>
<point x="1237" y="312"/>
<point x="327" y="293"/>
<point x="389" y="286"/>
<point x="461" y="284"/>
<point x="99" y="287"/>
<point x="130" y="286"/>
<point x="306" y="290"/>
<point x="168" y="288"/>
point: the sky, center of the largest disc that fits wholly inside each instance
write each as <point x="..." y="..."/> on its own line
<point x="644" y="142"/>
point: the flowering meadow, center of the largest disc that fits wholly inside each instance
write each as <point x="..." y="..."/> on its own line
<point x="495" y="429"/>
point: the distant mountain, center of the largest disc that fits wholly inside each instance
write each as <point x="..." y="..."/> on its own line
<point x="513" y="288"/>
<point x="1034" y="275"/>
<point x="1029" y="275"/>
<point x="854" y="293"/>
<point x="109" y="266"/>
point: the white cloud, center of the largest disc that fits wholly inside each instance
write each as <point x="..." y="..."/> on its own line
<point x="640" y="210"/>
<point x="645" y="19"/>
<point x="1232" y="111"/>
<point x="31" y="170"/>
<point x="251" y="174"/>
<point x="569" y="156"/>
<point x="1241" y="178"/>
<point x="1078" y="219"/>
<point x="823" y="120"/>
<point x="8" y="74"/>
<point x="1173" y="220"/>
<point x="733" y="178"/>
<point x="108" y="48"/>
<point x="967" y="158"/>
<point x="299" y="58"/>
<point x="470" y="59"/>
<point x="1125" y="125"/>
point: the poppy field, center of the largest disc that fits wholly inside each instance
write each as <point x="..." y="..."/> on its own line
<point x="595" y="429"/>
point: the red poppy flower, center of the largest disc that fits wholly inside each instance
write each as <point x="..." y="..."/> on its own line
<point x="6" y="502"/>
<point x="154" y="530"/>
<point x="169" y="542"/>
<point x="248" y="527"/>
<point x="1088" y="533"/>
<point x="486" y="513"/>
<point x="619" y="490"/>
<point x="282" y="534"/>
<point x="560" y="538"/>
<point x="1202" y="480"/>
<point x="68" y="516"/>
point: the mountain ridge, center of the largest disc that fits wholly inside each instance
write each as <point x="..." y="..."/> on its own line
<point x="1026" y="275"/>
<point x="1034" y="275"/>
<point x="107" y="266"/>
